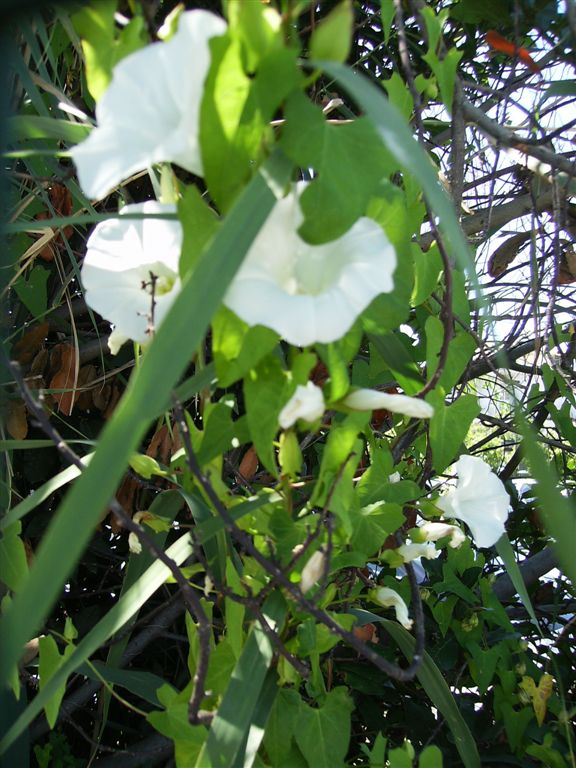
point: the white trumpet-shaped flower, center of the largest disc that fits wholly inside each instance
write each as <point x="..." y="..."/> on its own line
<point x="411" y="551"/>
<point x="313" y="570"/>
<point x="310" y="293"/>
<point x="130" y="272"/>
<point x="432" y="531"/>
<point x="151" y="109"/>
<point x="372" y="400"/>
<point x="479" y="499"/>
<point x="306" y="403"/>
<point x="389" y="598"/>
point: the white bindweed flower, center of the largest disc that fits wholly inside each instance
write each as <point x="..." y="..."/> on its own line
<point x="313" y="570"/>
<point x="479" y="499"/>
<point x="434" y="531"/>
<point x="310" y="293"/>
<point x="373" y="400"/>
<point x="306" y="403"/>
<point x="150" y="112"/>
<point x="410" y="551"/>
<point x="389" y="598"/>
<point x="130" y="272"/>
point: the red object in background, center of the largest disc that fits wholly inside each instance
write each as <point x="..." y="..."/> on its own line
<point x="499" y="43"/>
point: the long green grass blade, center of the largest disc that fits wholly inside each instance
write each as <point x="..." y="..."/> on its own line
<point x="165" y="361"/>
<point x="231" y="727"/>
<point x="114" y="620"/>
<point x="505" y="551"/>
<point x="435" y="686"/>
<point x="556" y="511"/>
<point x="42" y="493"/>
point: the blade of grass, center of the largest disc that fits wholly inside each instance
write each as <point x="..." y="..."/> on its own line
<point x="504" y="549"/>
<point x="556" y="511"/>
<point x="231" y="727"/>
<point x="435" y="686"/>
<point x="114" y="620"/>
<point x="165" y="361"/>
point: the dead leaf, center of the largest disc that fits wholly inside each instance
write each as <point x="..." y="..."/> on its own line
<point x="505" y="254"/>
<point x="86" y="376"/>
<point x="16" y="420"/>
<point x="61" y="202"/>
<point x="63" y="359"/>
<point x="567" y="272"/>
<point x="249" y="464"/>
<point x="29" y="345"/>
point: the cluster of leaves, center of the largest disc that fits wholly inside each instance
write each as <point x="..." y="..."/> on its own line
<point x="198" y="639"/>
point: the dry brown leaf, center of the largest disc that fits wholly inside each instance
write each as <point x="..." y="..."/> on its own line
<point x="505" y="254"/>
<point x="112" y="402"/>
<point x="86" y="376"/>
<point x="249" y="464"/>
<point x="27" y="347"/>
<point x="63" y="359"/>
<point x="567" y="272"/>
<point x="61" y="201"/>
<point x="160" y="447"/>
<point x="16" y="420"/>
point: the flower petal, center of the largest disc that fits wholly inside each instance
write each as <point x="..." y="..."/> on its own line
<point x="433" y="531"/>
<point x="410" y="551"/>
<point x="313" y="570"/>
<point x="150" y="111"/>
<point x="372" y="399"/>
<point x="310" y="293"/>
<point x="479" y="499"/>
<point x="123" y="258"/>
<point x="389" y="598"/>
<point x="306" y="403"/>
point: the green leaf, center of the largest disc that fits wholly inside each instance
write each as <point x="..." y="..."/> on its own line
<point x="50" y="662"/>
<point x="20" y="127"/>
<point x="234" y="611"/>
<point x="33" y="291"/>
<point x="175" y="341"/>
<point x="332" y="38"/>
<point x="114" y="620"/>
<point x="220" y="431"/>
<point x="449" y="426"/>
<point x="235" y="715"/>
<point x="444" y="68"/>
<point x="266" y="392"/>
<point x="462" y="347"/>
<point x="334" y="486"/>
<point x="199" y="225"/>
<point x="397" y="137"/>
<point x="323" y="734"/>
<point x="138" y="681"/>
<point x="238" y="347"/>
<point x="173" y="723"/>
<point x="372" y="526"/>
<point x="350" y="161"/>
<point x="102" y="45"/>
<point x="389" y="310"/>
<point x="281" y="725"/>
<point x="437" y="690"/>
<point x="13" y="563"/>
<point x="235" y="114"/>
<point x="555" y="510"/>
<point x="399" y="93"/>
<point x="431" y="757"/>
<point x="427" y="268"/>
<point x="258" y="27"/>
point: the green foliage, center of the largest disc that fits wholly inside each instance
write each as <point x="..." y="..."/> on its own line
<point x="278" y="539"/>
